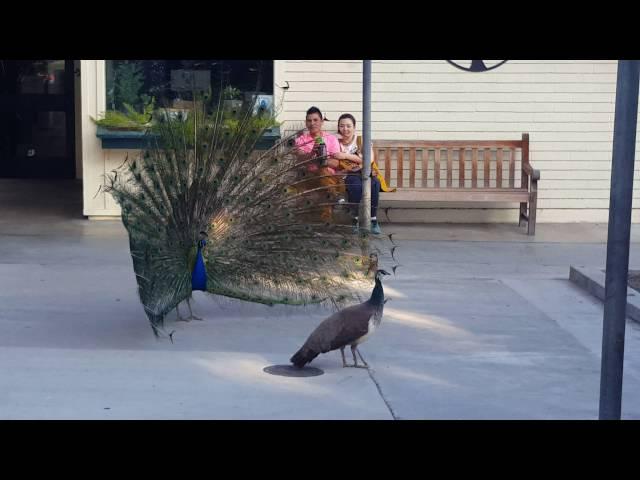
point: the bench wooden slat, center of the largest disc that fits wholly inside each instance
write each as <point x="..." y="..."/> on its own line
<point x="499" y="155"/>
<point x="387" y="166"/>
<point x="474" y="168"/>
<point x="412" y="167"/>
<point x="449" y="167"/>
<point x="425" y="166"/>
<point x="524" y="180"/>
<point x="456" y="195"/>
<point x="512" y="167"/>
<point x="447" y="143"/>
<point x="400" y="171"/>
<point x="461" y="159"/>
<point x="487" y="166"/>
<point x="436" y="168"/>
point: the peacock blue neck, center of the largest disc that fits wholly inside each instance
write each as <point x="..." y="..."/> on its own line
<point x="199" y="274"/>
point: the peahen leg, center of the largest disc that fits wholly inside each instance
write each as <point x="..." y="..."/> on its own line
<point x="191" y="312"/>
<point x="344" y="361"/>
<point x="360" y="355"/>
<point x="354" y="349"/>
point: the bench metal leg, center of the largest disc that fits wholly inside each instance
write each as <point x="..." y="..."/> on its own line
<point x="523" y="213"/>
<point x="533" y="204"/>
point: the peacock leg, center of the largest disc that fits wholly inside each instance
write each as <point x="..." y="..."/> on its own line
<point x="180" y="318"/>
<point x="191" y="312"/>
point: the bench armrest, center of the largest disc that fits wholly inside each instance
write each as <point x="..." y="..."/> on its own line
<point x="532" y="172"/>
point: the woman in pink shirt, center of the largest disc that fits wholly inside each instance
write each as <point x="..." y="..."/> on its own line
<point x="326" y="173"/>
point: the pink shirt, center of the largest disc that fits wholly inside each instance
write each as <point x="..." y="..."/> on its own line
<point x="305" y="143"/>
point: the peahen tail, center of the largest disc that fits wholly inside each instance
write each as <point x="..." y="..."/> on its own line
<point x="303" y="356"/>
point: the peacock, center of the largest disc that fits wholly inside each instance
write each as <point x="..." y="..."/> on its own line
<point x="206" y="210"/>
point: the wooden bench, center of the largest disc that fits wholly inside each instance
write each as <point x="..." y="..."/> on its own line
<point x="460" y="171"/>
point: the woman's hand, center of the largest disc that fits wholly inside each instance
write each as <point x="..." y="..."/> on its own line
<point x="339" y="156"/>
<point x="333" y="163"/>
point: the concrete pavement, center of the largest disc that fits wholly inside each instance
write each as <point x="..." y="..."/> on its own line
<point x="483" y="323"/>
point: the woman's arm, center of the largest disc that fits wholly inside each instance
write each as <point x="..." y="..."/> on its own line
<point x="347" y="156"/>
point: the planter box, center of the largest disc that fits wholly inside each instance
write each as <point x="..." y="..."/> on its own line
<point x="137" y="140"/>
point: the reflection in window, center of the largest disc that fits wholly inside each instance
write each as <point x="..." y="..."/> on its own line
<point x="40" y="77"/>
<point x="150" y="85"/>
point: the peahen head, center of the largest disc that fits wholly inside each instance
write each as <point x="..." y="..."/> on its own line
<point x="380" y="273"/>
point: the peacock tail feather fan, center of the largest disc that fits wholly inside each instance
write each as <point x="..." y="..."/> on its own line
<point x="257" y="209"/>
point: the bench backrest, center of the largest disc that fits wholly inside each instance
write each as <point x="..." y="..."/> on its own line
<point x="453" y="164"/>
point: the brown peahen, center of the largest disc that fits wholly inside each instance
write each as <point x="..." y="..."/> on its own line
<point x="206" y="210"/>
<point x="350" y="326"/>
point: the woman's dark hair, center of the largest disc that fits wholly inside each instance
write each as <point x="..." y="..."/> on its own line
<point x="313" y="110"/>
<point x="347" y="115"/>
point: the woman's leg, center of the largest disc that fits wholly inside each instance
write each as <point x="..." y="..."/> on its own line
<point x="353" y="181"/>
<point x="375" y="196"/>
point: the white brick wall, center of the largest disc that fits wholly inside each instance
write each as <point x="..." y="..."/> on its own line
<point x="566" y="106"/>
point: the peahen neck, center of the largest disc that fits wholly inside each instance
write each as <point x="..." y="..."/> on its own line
<point x="377" y="296"/>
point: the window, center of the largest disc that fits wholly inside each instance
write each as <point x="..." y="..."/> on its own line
<point x="146" y="85"/>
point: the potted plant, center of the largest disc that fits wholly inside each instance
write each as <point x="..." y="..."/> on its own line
<point x="232" y="98"/>
<point x="130" y="119"/>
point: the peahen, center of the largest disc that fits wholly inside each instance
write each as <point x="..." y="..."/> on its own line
<point x="350" y="326"/>
<point x="206" y="210"/>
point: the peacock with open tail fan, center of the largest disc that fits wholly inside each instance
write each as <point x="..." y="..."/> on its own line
<point x="206" y="210"/>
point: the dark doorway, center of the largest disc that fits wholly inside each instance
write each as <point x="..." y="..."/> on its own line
<point x="37" y="138"/>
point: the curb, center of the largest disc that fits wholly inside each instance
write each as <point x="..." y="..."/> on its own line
<point x="592" y="280"/>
